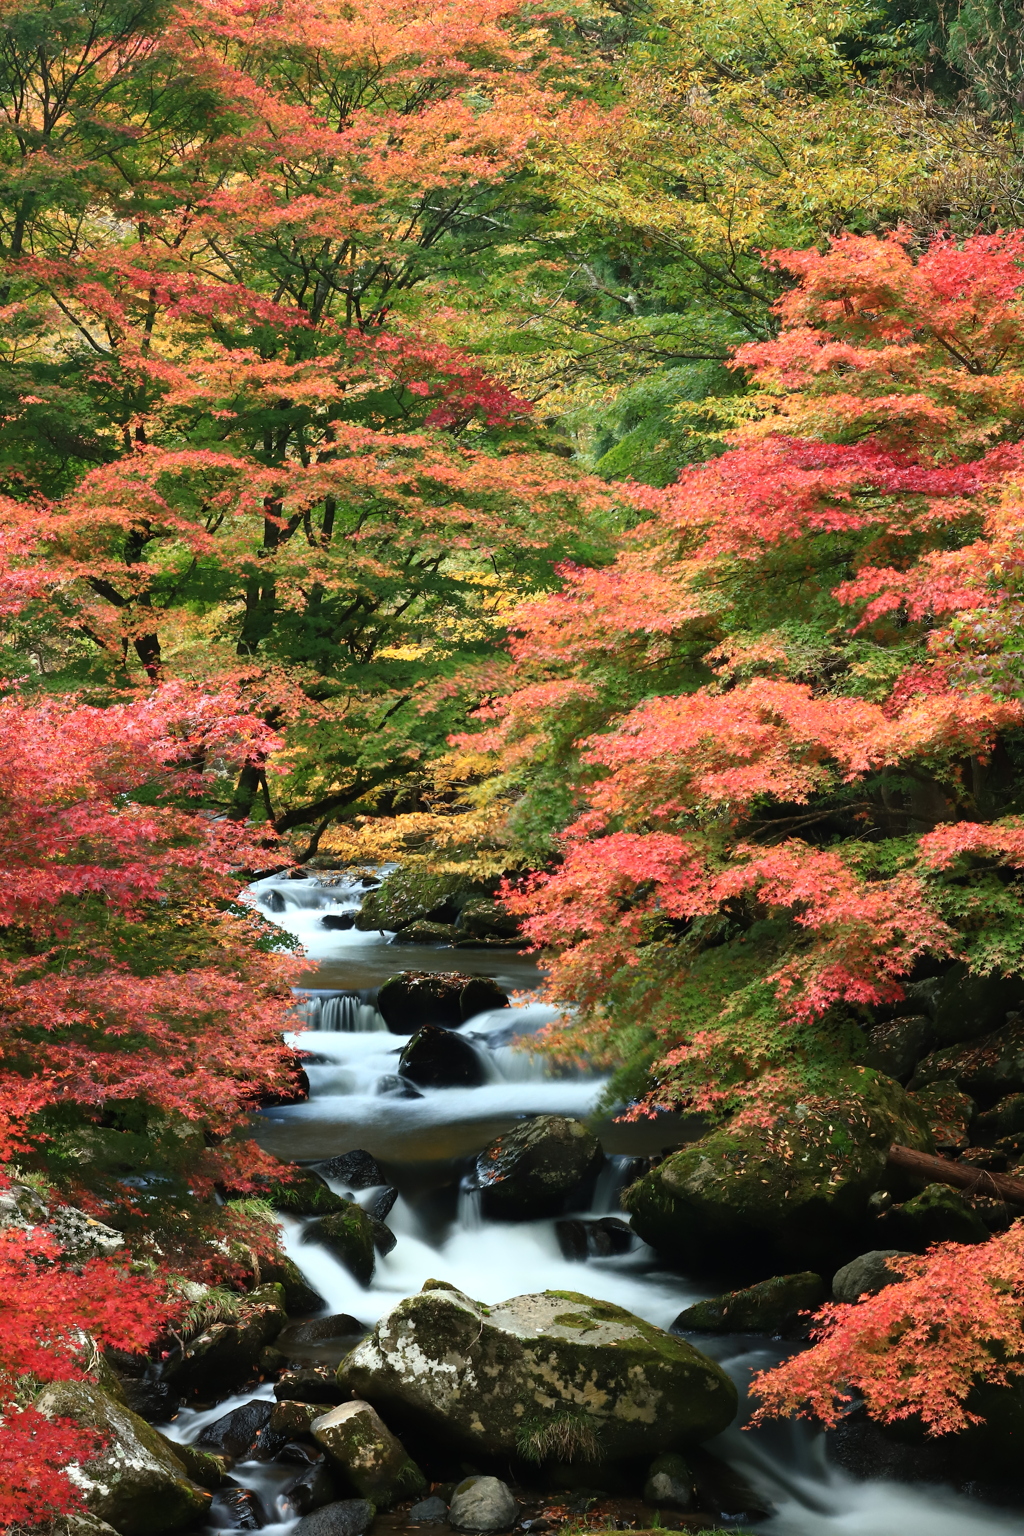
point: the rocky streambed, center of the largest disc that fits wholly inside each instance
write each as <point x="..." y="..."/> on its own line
<point x="472" y="1333"/>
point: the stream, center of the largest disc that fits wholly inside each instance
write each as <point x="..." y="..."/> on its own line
<point x="423" y="1144"/>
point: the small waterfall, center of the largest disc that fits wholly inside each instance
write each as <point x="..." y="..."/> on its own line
<point x="470" y="1208"/>
<point x="340" y="1013"/>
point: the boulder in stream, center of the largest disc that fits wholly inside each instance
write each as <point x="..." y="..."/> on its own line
<point x="356" y="1170"/>
<point x="312" y="1489"/>
<point x="225" y="1354"/>
<point x="448" y="998"/>
<point x="866" y="1275"/>
<point x="244" y="1433"/>
<point x="793" y="1191"/>
<point x="349" y="1235"/>
<point x="529" y="1171"/>
<point x="483" y="1504"/>
<point x="437" y="1058"/>
<point x="304" y="1193"/>
<point x="134" y="1481"/>
<point x="374" y="1461"/>
<point x="772" y="1306"/>
<point x="347" y="1517"/>
<point x="549" y="1377"/>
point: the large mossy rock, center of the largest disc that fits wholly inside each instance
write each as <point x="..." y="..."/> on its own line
<point x="448" y="998"/>
<point x="410" y="895"/>
<point x="373" y="1460"/>
<point x="988" y="1069"/>
<point x="794" y="1192"/>
<point x="554" y="1376"/>
<point x="772" y="1306"/>
<point x="531" y="1170"/>
<point x="967" y="1006"/>
<point x="134" y="1482"/>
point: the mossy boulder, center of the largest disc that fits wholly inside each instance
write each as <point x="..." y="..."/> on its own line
<point x="485" y="920"/>
<point x="134" y="1482"/>
<point x="446" y="998"/>
<point x="374" y="1461"/>
<point x="937" y="1215"/>
<point x="304" y="1193"/>
<point x="349" y="1235"/>
<point x="530" y="1170"/>
<point x="988" y="1069"/>
<point x="226" y="1353"/>
<point x="412" y="895"/>
<point x="794" y="1190"/>
<point x="550" y="1377"/>
<point x="299" y="1295"/>
<point x="772" y="1306"/>
<point x="967" y="1006"/>
<point x="949" y="1114"/>
<point x="438" y="1058"/>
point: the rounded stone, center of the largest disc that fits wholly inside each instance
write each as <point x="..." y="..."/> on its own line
<point x="866" y="1275"/>
<point x="483" y="1504"/>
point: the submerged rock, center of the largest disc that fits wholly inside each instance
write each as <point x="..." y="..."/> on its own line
<point x="436" y="1058"/>
<point x="483" y="1504"/>
<point x="373" y="1460"/>
<point x="134" y="1481"/>
<point x="791" y="1192"/>
<point x="554" y="1376"/>
<point x="773" y="1306"/>
<point x="530" y="1170"/>
<point x="866" y="1275"/>
<point x="349" y="1235"/>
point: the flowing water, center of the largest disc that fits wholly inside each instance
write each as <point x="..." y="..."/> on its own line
<point x="423" y="1145"/>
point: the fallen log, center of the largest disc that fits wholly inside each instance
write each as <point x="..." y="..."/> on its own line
<point x="940" y="1170"/>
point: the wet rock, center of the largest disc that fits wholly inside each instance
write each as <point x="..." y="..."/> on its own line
<point x="479" y="995"/>
<point x="967" y="1006"/>
<point x="436" y="1058"/>
<point x="299" y="1295"/>
<point x="895" y="1048"/>
<point x="241" y="1432"/>
<point x="572" y="1238"/>
<point x="356" y="1170"/>
<point x="988" y="1069"/>
<point x="312" y="1489"/>
<point x="867" y="1450"/>
<point x="792" y="1194"/>
<point x="432" y="1511"/>
<point x="374" y="1461"/>
<point x="991" y="1159"/>
<point x="144" y="1387"/>
<point x="867" y="1274"/>
<point x="320" y="1330"/>
<point x="224" y="1354"/>
<point x="133" y="1482"/>
<point x="670" y="1483"/>
<point x="483" y="1504"/>
<point x="937" y="1215"/>
<point x="555" y="1376"/>
<point x="382" y="1207"/>
<point x="414" y="998"/>
<point x="949" y="1114"/>
<point x="772" y="1306"/>
<point x="289" y="1419"/>
<point x="307" y="1194"/>
<point x="530" y="1170"/>
<point x="392" y="1083"/>
<point x="348" y="1234"/>
<point x="311" y="1384"/>
<point x="384" y="1240"/>
<point x="236" y="1509"/>
<point x="347" y="1517"/>
<point x="81" y="1236"/>
<point x="337" y="922"/>
<point x="610" y="1235"/>
<point x="484" y="919"/>
<point x="407" y="896"/>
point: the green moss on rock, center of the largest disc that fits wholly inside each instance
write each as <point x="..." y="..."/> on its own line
<point x="441" y="1364"/>
<point x="790" y="1190"/>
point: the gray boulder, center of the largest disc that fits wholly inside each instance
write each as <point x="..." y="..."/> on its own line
<point x="866" y="1275"/>
<point x="670" y="1483"/>
<point x="374" y="1461"/>
<point x="134" y="1481"/>
<point x="530" y="1170"/>
<point x="432" y="1511"/>
<point x="483" y="1504"/>
<point x="348" y="1517"/>
<point x="549" y="1377"/>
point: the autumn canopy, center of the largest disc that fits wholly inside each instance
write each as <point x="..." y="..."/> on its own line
<point x="580" y="448"/>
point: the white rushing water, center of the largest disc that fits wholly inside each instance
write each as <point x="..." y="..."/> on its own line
<point x="491" y="1261"/>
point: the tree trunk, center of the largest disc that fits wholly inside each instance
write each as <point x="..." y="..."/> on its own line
<point x="939" y="1170"/>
